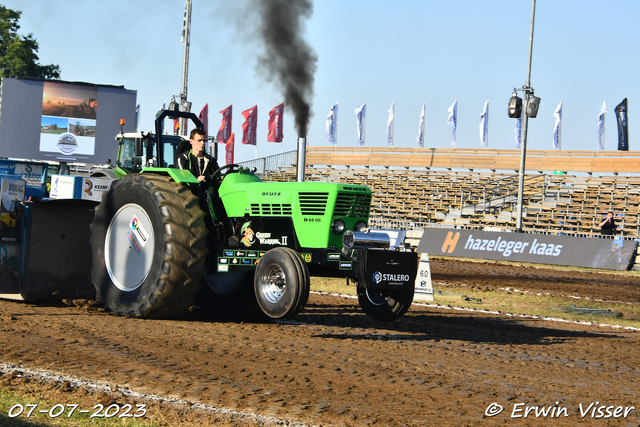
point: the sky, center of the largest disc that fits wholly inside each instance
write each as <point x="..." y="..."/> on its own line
<point x="369" y="51"/>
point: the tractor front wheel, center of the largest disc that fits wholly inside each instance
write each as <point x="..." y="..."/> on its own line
<point x="281" y="283"/>
<point x="148" y="247"/>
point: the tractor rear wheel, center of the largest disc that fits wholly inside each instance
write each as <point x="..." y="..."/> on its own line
<point x="281" y="283"/>
<point x="148" y="247"/>
<point x="384" y="305"/>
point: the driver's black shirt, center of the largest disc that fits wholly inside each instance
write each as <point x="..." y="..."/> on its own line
<point x="190" y="162"/>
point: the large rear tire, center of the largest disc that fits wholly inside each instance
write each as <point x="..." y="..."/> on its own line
<point x="281" y="283"/>
<point x="384" y="305"/>
<point x="148" y="247"/>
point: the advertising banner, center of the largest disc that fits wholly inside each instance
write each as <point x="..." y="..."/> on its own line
<point x="11" y="194"/>
<point x="611" y="254"/>
<point x="79" y="187"/>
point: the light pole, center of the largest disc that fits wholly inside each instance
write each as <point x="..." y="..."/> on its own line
<point x="526" y="112"/>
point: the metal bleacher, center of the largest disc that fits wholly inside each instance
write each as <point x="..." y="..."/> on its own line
<point x="464" y="189"/>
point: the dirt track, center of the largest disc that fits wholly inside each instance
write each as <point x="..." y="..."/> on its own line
<point x="334" y="366"/>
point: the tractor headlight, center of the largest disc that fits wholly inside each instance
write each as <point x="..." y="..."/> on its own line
<point x="361" y="226"/>
<point x="337" y="226"/>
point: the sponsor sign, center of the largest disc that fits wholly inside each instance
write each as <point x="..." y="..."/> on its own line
<point x="139" y="231"/>
<point x="62" y="187"/>
<point x="93" y="188"/>
<point x="613" y="254"/>
<point x="79" y="187"/>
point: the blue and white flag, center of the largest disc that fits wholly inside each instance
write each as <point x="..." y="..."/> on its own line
<point x="421" y="127"/>
<point x="601" y="117"/>
<point x="518" y="131"/>
<point x="361" y="122"/>
<point x="390" y="124"/>
<point x="332" y="125"/>
<point x="557" y="129"/>
<point x="452" y="120"/>
<point x="484" y="126"/>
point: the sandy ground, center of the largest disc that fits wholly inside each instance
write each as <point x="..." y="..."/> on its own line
<point x="332" y="365"/>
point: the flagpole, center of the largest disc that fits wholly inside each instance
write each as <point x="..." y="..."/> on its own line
<point x="525" y="122"/>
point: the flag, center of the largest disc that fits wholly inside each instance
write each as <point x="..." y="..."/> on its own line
<point x="186" y="23"/>
<point x="518" y="131"/>
<point x="332" y="124"/>
<point x="557" y="129"/>
<point x="452" y="120"/>
<point x="484" y="126"/>
<point x="249" y="126"/>
<point x="390" y="124"/>
<point x="601" y="117"/>
<point x="361" y="121"/>
<point x="225" y="128"/>
<point x="421" y="126"/>
<point x="229" y="148"/>
<point x="275" y="123"/>
<point x="204" y="118"/>
<point x="623" y="130"/>
<point x="138" y="118"/>
<point x="164" y="106"/>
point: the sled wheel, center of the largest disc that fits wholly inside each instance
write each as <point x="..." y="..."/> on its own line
<point x="384" y="304"/>
<point x="148" y="247"/>
<point x="281" y="283"/>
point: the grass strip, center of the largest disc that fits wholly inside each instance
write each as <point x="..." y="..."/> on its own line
<point x="511" y="301"/>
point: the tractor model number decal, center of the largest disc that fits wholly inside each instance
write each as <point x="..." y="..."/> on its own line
<point x="313" y="220"/>
<point x="139" y="230"/>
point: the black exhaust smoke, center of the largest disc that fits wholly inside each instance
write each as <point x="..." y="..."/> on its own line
<point x="288" y="60"/>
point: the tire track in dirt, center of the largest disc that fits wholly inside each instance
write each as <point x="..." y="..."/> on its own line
<point x="335" y="366"/>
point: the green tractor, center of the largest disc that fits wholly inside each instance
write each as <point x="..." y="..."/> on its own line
<point x="155" y="244"/>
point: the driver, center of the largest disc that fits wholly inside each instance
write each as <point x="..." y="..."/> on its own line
<point x="198" y="162"/>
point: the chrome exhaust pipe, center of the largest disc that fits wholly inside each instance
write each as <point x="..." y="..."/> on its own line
<point x="302" y="159"/>
<point x="365" y="239"/>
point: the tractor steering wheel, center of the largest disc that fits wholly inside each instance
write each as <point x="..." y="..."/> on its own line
<point x="220" y="169"/>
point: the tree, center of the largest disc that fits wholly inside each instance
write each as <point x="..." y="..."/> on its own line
<point x="18" y="53"/>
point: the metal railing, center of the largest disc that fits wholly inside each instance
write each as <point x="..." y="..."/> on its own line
<point x="271" y="163"/>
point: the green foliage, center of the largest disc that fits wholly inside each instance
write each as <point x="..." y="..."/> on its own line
<point x="19" y="53"/>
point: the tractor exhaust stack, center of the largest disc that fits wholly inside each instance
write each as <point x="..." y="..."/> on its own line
<point x="302" y="159"/>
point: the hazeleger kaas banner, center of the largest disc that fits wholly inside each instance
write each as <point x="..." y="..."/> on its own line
<point x="607" y="253"/>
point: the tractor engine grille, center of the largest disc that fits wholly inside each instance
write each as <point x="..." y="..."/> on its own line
<point x="352" y="205"/>
<point x="313" y="203"/>
<point x="271" y="209"/>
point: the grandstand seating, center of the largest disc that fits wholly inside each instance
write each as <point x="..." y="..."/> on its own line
<point x="411" y="198"/>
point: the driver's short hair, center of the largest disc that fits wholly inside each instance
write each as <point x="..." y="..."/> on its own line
<point x="197" y="131"/>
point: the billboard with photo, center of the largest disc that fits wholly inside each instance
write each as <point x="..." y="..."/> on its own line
<point x="61" y="121"/>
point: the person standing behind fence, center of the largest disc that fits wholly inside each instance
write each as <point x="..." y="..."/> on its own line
<point x="608" y="226"/>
